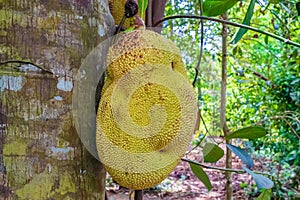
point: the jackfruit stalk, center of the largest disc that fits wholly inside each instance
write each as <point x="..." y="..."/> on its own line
<point x="117" y="10"/>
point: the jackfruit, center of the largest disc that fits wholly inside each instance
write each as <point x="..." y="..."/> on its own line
<point x="148" y="110"/>
<point x="117" y="10"/>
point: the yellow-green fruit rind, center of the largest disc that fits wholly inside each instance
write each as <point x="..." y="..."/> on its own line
<point x="139" y="107"/>
<point x="139" y="181"/>
<point x="138" y="159"/>
<point x="117" y="10"/>
<point x="140" y="47"/>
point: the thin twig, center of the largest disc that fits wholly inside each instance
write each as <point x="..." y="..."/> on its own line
<point x="25" y="63"/>
<point x="260" y="76"/>
<point x="196" y="76"/>
<point x="206" y="129"/>
<point x="286" y="121"/>
<point x="286" y="41"/>
<point x="207" y="132"/>
<point x="291" y="111"/>
<point x="291" y="127"/>
<point x="238" y="171"/>
<point x="197" y="68"/>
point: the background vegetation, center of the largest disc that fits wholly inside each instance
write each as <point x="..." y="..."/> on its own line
<point x="263" y="80"/>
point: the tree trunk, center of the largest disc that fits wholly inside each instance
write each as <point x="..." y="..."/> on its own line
<point x="155" y="12"/>
<point x="41" y="155"/>
<point x="223" y="122"/>
<point x="138" y="194"/>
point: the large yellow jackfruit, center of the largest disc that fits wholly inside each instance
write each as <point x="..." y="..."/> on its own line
<point x="148" y="110"/>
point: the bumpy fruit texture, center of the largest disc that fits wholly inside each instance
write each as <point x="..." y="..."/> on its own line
<point x="148" y="110"/>
<point x="117" y="10"/>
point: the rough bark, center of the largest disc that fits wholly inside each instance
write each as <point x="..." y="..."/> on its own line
<point x="155" y="12"/>
<point x="41" y="155"/>
<point x="138" y="194"/>
<point x="55" y="35"/>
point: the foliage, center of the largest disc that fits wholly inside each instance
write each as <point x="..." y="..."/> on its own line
<point x="217" y="7"/>
<point x="248" y="132"/>
<point x="266" y="194"/>
<point x="263" y="84"/>
<point x="261" y="181"/>
<point x="239" y="34"/>
<point x="142" y="8"/>
<point x="212" y="152"/>
<point x="242" y="154"/>
<point x="200" y="173"/>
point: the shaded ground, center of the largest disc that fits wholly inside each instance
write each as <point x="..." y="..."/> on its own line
<point x="182" y="184"/>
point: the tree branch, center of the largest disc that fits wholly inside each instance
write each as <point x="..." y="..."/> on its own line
<point x="286" y="41"/>
<point x="25" y="63"/>
<point x="238" y="171"/>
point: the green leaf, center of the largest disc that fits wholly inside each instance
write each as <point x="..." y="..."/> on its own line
<point x="239" y="34"/>
<point x="242" y="154"/>
<point x="267" y="39"/>
<point x="201" y="175"/>
<point x="261" y="181"/>
<point x="251" y="132"/>
<point x="129" y="29"/>
<point x="235" y="49"/>
<point x="240" y="51"/>
<point x="212" y="152"/>
<point x="217" y="7"/>
<point x="274" y="1"/>
<point x="143" y="4"/>
<point x="265" y="195"/>
<point x="298" y="8"/>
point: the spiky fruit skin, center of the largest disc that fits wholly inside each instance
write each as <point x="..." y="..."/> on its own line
<point x="139" y="181"/>
<point x="147" y="111"/>
<point x="117" y="10"/>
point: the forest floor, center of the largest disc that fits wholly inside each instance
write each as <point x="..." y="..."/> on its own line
<point x="182" y="184"/>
